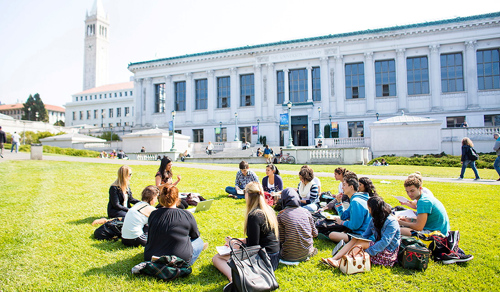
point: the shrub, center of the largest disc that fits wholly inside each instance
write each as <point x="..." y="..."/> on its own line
<point x="442" y="159"/>
<point x="58" y="150"/>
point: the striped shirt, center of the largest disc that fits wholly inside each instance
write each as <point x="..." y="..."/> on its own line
<point x="296" y="232"/>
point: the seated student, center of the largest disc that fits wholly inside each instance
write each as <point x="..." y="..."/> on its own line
<point x="243" y="177"/>
<point x="383" y="232"/>
<point x="164" y="178"/>
<point x="308" y="190"/>
<point x="383" y="162"/>
<point x="261" y="228"/>
<point x="135" y="228"/>
<point x="315" y="180"/>
<point x="120" y="195"/>
<point x="431" y="214"/>
<point x="296" y="229"/>
<point x="173" y="231"/>
<point x="366" y="186"/>
<point x="356" y="218"/>
<point x="272" y="182"/>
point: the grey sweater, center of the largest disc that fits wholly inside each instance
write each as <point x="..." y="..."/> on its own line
<point x="497" y="146"/>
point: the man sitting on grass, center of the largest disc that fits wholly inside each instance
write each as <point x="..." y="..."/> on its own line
<point x="243" y="177"/>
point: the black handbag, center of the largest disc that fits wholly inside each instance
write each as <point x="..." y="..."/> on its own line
<point x="251" y="268"/>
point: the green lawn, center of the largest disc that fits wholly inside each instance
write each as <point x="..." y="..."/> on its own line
<point x="46" y="240"/>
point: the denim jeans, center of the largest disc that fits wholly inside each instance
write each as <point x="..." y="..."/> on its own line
<point x="496" y="164"/>
<point x="313" y="207"/>
<point x="197" y="249"/>
<point x="232" y="191"/>
<point x="472" y="165"/>
<point x="14" y="144"/>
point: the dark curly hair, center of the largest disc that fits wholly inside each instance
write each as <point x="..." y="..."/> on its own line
<point x="380" y="210"/>
<point x="369" y="187"/>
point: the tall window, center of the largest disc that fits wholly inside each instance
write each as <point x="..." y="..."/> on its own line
<point x="198" y="135"/>
<point x="488" y="69"/>
<point x="118" y="112"/>
<point x="385" y="78"/>
<point x="455" y="122"/>
<point x="246" y="134"/>
<point x="316" y="83"/>
<point x="81" y="115"/>
<point x="159" y="98"/>
<point x="491" y="120"/>
<point x="110" y="113"/>
<point x="223" y="92"/>
<point x="201" y="94"/>
<point x="127" y="111"/>
<point x="355" y="80"/>
<point x="356" y="129"/>
<point x="88" y="115"/>
<point x="247" y="90"/>
<point x="280" y="82"/>
<point x="452" y="78"/>
<point x="74" y="116"/>
<point x="180" y="96"/>
<point x="417" y="72"/>
<point x="95" y="114"/>
<point x="298" y="85"/>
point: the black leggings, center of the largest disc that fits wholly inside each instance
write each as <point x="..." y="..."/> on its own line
<point x="141" y="240"/>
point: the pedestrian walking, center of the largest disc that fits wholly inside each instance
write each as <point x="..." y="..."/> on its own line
<point x="3" y="139"/>
<point x="496" y="164"/>
<point x="15" y="142"/>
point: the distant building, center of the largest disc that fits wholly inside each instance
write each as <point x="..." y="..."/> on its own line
<point x="56" y="113"/>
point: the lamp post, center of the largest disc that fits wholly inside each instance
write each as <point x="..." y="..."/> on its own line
<point x="29" y="114"/>
<point x="258" y="131"/>
<point x="111" y="130"/>
<point x="36" y="116"/>
<point x="173" y="132"/>
<point x="377" y="116"/>
<point x="290" y="139"/>
<point x="236" y="127"/>
<point x="220" y="132"/>
<point x="320" y="136"/>
<point x="330" y="117"/>
<point x="102" y="121"/>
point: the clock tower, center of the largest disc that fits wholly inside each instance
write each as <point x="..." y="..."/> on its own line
<point x="95" y="60"/>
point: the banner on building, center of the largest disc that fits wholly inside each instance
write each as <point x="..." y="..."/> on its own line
<point x="217" y="131"/>
<point x="334" y="127"/>
<point x="170" y="127"/>
<point x="254" y="130"/>
<point x="284" y="122"/>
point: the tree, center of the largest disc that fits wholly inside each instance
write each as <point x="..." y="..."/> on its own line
<point x="34" y="109"/>
<point x="59" y="123"/>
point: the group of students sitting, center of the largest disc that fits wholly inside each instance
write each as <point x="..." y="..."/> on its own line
<point x="166" y="229"/>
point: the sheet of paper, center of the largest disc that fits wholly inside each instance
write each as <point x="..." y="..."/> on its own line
<point x="223" y="250"/>
<point x="240" y="192"/>
<point x="401" y="199"/>
<point x="406" y="213"/>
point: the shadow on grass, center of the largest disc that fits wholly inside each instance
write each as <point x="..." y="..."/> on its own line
<point x="87" y="220"/>
<point x="108" y="245"/>
<point x="118" y="268"/>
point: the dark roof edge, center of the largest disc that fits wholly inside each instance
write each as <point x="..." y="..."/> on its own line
<point x="361" y="32"/>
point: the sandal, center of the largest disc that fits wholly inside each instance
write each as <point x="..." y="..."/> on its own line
<point x="330" y="262"/>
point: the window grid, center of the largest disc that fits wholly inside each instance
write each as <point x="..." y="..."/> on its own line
<point x="488" y="69"/>
<point x="180" y="96"/>
<point x="356" y="129"/>
<point x="95" y="114"/>
<point x="127" y="111"/>
<point x="159" y="98"/>
<point x="118" y="112"/>
<point x="247" y="90"/>
<point x="316" y="84"/>
<point x="201" y="94"/>
<point x="110" y="112"/>
<point x="452" y="79"/>
<point x="355" y="80"/>
<point x="223" y="92"/>
<point x="417" y="72"/>
<point x="280" y="79"/>
<point x="298" y="85"/>
<point x="198" y="135"/>
<point x="88" y="115"/>
<point x="385" y="78"/>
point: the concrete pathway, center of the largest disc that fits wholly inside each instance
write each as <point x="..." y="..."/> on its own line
<point x="26" y="156"/>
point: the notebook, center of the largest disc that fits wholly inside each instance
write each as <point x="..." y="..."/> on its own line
<point x="202" y="206"/>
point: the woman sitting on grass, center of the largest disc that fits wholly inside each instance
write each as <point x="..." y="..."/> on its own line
<point x="431" y="214"/>
<point x="383" y="233"/>
<point x="308" y="190"/>
<point x="261" y="228"/>
<point x="173" y="231"/>
<point x="272" y="182"/>
<point x="296" y="229"/>
<point x="135" y="228"/>
<point x="356" y="218"/>
<point x="120" y="195"/>
<point x="366" y="186"/>
<point x="164" y="178"/>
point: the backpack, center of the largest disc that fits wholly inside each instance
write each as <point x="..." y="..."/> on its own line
<point x="111" y="230"/>
<point x="413" y="254"/>
<point x="473" y="155"/>
<point x="166" y="268"/>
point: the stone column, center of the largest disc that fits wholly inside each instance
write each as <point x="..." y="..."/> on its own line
<point x="138" y="93"/>
<point x="339" y="88"/>
<point x="211" y="95"/>
<point x="235" y="94"/>
<point x="369" y="83"/>
<point x="401" y="79"/>
<point x="435" y="76"/>
<point x="189" y="97"/>
<point x="148" y="107"/>
<point x="471" y="74"/>
<point x="287" y="86"/>
<point x="169" y="95"/>
<point x="309" y="84"/>
<point x="325" y="82"/>
<point x="272" y="90"/>
<point x="258" y="96"/>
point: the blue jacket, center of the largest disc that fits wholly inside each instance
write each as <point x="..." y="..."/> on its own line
<point x="278" y="183"/>
<point x="390" y="239"/>
<point x="357" y="213"/>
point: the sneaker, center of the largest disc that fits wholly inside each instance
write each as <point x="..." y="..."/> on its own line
<point x="453" y="240"/>
<point x="460" y="178"/>
<point x="477" y="178"/>
<point x="449" y="258"/>
<point x="338" y="247"/>
<point x="498" y="179"/>
<point x="1" y="155"/>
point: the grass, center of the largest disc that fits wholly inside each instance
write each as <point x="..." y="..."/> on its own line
<point x="46" y="240"/>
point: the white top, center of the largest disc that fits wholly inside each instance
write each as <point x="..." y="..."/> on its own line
<point x="134" y="222"/>
<point x="341" y="191"/>
<point x="270" y="186"/>
<point x="15" y="138"/>
<point x="316" y="181"/>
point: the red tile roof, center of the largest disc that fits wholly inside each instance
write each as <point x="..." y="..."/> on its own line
<point x="110" y="87"/>
<point x="49" y="107"/>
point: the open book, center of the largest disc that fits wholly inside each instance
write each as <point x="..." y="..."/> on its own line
<point x="401" y="199"/>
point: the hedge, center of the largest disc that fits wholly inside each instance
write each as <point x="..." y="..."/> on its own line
<point x="485" y="160"/>
<point x="58" y="150"/>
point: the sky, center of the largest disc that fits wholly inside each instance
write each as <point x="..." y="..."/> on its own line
<point x="41" y="42"/>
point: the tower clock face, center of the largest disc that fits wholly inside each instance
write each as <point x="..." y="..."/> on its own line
<point x="90" y="47"/>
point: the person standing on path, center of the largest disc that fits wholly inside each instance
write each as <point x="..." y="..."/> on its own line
<point x="3" y="139"/>
<point x="15" y="142"/>
<point x="496" y="164"/>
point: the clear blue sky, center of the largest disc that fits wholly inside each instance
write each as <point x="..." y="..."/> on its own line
<point x="42" y="41"/>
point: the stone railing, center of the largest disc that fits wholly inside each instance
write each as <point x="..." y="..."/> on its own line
<point x="151" y="156"/>
<point x="97" y="145"/>
<point x="482" y="132"/>
<point x="346" y="142"/>
<point x="323" y="154"/>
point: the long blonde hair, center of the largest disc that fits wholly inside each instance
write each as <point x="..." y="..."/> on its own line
<point x="467" y="141"/>
<point x="123" y="178"/>
<point x="257" y="203"/>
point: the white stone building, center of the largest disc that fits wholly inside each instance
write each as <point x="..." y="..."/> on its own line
<point x="444" y="70"/>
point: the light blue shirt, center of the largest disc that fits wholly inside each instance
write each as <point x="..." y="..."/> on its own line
<point x="437" y="218"/>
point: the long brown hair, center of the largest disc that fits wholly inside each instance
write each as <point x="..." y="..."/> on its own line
<point x="123" y="178"/>
<point x="257" y="203"/>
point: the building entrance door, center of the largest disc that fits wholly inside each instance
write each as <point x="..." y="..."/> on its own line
<point x="300" y="131"/>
